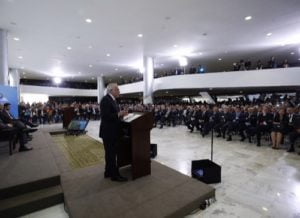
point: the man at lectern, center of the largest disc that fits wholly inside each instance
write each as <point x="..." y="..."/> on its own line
<point x="110" y="131"/>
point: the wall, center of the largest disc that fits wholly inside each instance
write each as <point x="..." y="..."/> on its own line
<point x="235" y="79"/>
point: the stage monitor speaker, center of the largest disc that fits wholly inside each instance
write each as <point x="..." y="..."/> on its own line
<point x="153" y="150"/>
<point x="206" y="171"/>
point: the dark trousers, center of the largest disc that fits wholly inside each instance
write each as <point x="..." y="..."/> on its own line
<point x="293" y="137"/>
<point x="262" y="129"/>
<point x="110" y="146"/>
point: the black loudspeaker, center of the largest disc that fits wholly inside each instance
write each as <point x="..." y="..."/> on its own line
<point x="206" y="171"/>
<point x="153" y="150"/>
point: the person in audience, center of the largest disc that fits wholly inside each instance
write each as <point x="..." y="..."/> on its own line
<point x="242" y="65"/>
<point x="259" y="65"/>
<point x="285" y="64"/>
<point x="272" y="63"/>
<point x="295" y="133"/>
<point x="279" y="128"/>
<point x="264" y="123"/>
<point x="248" y="64"/>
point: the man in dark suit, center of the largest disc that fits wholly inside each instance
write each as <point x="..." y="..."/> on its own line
<point x="8" y="123"/>
<point x="110" y="131"/>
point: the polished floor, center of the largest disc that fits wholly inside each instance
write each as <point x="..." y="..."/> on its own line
<point x="256" y="181"/>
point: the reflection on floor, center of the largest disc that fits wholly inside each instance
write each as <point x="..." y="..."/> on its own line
<point x="256" y="181"/>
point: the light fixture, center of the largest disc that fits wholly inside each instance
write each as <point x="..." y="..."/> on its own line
<point x="220" y="59"/>
<point x="20" y="57"/>
<point x="175" y="46"/>
<point x="24" y="73"/>
<point x="248" y="18"/>
<point x="22" y="67"/>
<point x="90" y="65"/>
<point x="16" y="39"/>
<point x="269" y="34"/>
<point x="79" y="72"/>
<point x="265" y="209"/>
<point x="140" y="35"/>
<point x="108" y="55"/>
<point x="298" y="59"/>
<point x="182" y="61"/>
<point x="57" y="80"/>
<point x="90" y="46"/>
<point x="161" y="64"/>
<point x="88" y="20"/>
<point x="116" y="69"/>
<point x="292" y="53"/>
<point x="69" y="47"/>
<point x="93" y="78"/>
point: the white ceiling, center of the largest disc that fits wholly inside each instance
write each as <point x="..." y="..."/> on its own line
<point x="47" y="27"/>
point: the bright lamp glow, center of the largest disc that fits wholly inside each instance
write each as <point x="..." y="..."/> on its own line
<point x="57" y="80"/>
<point x="182" y="61"/>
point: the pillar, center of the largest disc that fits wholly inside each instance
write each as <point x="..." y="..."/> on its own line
<point x="3" y="58"/>
<point x="148" y="80"/>
<point x="100" y="88"/>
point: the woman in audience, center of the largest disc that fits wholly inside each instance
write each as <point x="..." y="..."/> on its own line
<point x="280" y="124"/>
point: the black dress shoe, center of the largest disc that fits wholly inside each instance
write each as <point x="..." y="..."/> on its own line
<point x="291" y="150"/>
<point x="229" y="139"/>
<point x="21" y="149"/>
<point x="119" y="179"/>
<point x="106" y="175"/>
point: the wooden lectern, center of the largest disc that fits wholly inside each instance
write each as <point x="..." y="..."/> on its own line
<point x="68" y="116"/>
<point x="134" y="147"/>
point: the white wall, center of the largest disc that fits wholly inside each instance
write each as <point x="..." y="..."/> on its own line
<point x="56" y="91"/>
<point x="235" y="79"/>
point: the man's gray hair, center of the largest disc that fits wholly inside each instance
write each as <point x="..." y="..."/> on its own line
<point x="110" y="87"/>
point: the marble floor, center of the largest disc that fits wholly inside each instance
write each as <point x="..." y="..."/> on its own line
<point x="256" y="181"/>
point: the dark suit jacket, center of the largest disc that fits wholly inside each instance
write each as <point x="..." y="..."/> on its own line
<point x="5" y="117"/>
<point x="110" y="122"/>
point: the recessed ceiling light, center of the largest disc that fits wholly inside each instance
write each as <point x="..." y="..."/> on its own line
<point x="16" y="39"/>
<point x="116" y="69"/>
<point x="20" y="57"/>
<point x="69" y="47"/>
<point x="24" y="73"/>
<point x="140" y="35"/>
<point x="120" y="76"/>
<point x="220" y="59"/>
<point x="175" y="46"/>
<point x="265" y="209"/>
<point x="269" y="34"/>
<point x="79" y="72"/>
<point x="108" y="55"/>
<point x="90" y="46"/>
<point x="90" y="65"/>
<point x="292" y="53"/>
<point x="298" y="59"/>
<point x="24" y="77"/>
<point x="93" y="78"/>
<point x="161" y="64"/>
<point x="88" y="20"/>
<point x="22" y="67"/>
<point x="248" y="18"/>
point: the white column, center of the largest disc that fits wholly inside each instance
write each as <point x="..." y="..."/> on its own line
<point x="100" y="88"/>
<point x="14" y="77"/>
<point x="14" y="80"/>
<point x="148" y="80"/>
<point x="3" y="58"/>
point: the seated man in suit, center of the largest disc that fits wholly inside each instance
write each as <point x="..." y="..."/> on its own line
<point x="23" y="132"/>
<point x="110" y="131"/>
<point x="16" y="134"/>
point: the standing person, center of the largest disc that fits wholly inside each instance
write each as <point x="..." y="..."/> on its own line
<point x="109" y="131"/>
